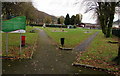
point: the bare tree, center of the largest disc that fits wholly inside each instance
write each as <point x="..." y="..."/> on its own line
<point x="105" y="12"/>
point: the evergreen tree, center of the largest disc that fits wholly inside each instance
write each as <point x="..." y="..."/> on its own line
<point x="73" y="20"/>
<point x="78" y="21"/>
<point x="58" y="21"/>
<point x="67" y="20"/>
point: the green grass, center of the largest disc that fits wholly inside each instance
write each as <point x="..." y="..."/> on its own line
<point x="100" y="53"/>
<point x="73" y="37"/>
<point x="14" y="42"/>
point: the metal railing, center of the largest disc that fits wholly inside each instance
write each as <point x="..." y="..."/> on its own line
<point x="116" y="32"/>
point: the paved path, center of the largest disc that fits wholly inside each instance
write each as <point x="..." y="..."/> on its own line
<point x="86" y="43"/>
<point x="47" y="59"/>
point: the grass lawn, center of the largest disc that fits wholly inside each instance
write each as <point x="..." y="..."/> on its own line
<point x="73" y="37"/>
<point x="100" y="53"/>
<point x="14" y="43"/>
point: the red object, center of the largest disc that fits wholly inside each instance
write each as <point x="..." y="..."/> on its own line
<point x="23" y="41"/>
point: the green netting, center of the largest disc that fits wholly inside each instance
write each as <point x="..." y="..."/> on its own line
<point x="14" y="24"/>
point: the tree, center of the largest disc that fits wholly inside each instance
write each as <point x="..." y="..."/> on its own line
<point x="106" y="19"/>
<point x="67" y="20"/>
<point x="48" y="20"/>
<point x="62" y="19"/>
<point x="9" y="8"/>
<point x="73" y="20"/>
<point x="105" y="14"/>
<point x="78" y="20"/>
<point x="58" y="21"/>
<point x="23" y="9"/>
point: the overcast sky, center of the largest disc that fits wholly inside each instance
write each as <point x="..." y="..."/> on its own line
<point x="62" y="7"/>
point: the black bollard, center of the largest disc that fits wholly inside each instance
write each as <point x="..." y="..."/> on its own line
<point x="62" y="41"/>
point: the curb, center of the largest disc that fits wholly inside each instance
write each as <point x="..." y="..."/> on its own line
<point x="62" y="48"/>
<point x="33" y="50"/>
<point x="93" y="67"/>
<point x="7" y="57"/>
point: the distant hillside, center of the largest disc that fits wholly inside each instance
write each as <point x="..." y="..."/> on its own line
<point x="26" y="9"/>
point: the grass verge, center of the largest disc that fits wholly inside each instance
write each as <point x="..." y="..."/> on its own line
<point x="73" y="37"/>
<point x="14" y="43"/>
<point x="100" y="54"/>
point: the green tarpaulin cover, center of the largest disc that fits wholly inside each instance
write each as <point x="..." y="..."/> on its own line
<point x="17" y="23"/>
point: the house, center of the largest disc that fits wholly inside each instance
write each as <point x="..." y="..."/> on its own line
<point x="70" y="26"/>
<point x="92" y="26"/>
<point x="80" y="25"/>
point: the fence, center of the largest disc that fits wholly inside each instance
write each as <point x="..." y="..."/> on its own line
<point x="116" y="32"/>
